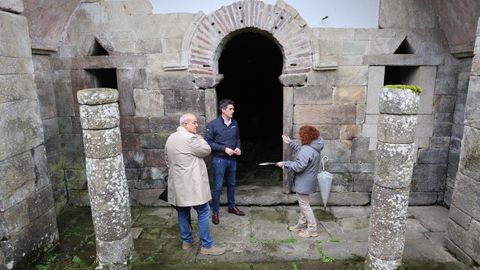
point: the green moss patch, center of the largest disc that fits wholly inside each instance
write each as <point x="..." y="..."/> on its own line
<point x="414" y="88"/>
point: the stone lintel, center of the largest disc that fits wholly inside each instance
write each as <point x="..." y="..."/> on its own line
<point x="100" y="62"/>
<point x="403" y="60"/>
<point x="293" y="79"/>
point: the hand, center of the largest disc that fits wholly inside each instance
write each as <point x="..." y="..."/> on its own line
<point x="286" y="139"/>
<point x="279" y="164"/>
<point x="229" y="151"/>
<point x="237" y="151"/>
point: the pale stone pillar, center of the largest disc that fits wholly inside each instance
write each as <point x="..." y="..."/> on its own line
<point x="393" y="173"/>
<point x="107" y="184"/>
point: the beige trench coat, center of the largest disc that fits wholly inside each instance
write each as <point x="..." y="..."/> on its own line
<point x="187" y="175"/>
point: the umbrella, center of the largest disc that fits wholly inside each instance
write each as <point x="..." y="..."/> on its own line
<point x="325" y="182"/>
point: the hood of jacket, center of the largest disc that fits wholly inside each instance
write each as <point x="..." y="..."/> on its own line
<point x="317" y="144"/>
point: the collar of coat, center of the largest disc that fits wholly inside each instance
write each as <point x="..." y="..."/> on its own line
<point x="182" y="129"/>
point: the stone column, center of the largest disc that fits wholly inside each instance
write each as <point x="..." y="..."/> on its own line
<point x="107" y="184"/>
<point x="393" y="173"/>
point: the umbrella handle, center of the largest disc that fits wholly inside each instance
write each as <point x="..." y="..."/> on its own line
<point x="324" y="158"/>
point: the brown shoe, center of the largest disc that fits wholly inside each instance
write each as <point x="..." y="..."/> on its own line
<point x="186" y="245"/>
<point x="215" y="218"/>
<point x="214" y="251"/>
<point x="236" y="211"/>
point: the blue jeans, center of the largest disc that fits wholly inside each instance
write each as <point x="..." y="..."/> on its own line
<point x="203" y="213"/>
<point x="223" y="168"/>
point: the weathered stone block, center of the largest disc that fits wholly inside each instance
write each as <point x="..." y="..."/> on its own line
<point x="361" y="152"/>
<point x="11" y="65"/>
<point x="173" y="80"/>
<point x="16" y="172"/>
<point x="472" y="110"/>
<point x="153" y="140"/>
<point x="22" y="248"/>
<point x="64" y="99"/>
<point x="154" y="157"/>
<point x="432" y="155"/>
<point x="130" y="141"/>
<point x="324" y="114"/>
<point x="388" y="222"/>
<point x="352" y="75"/>
<point x="17" y="87"/>
<point x="40" y="202"/>
<point x="107" y="186"/>
<point x="444" y="103"/>
<point x="394" y="165"/>
<point x="355" y="94"/>
<point x="40" y="167"/>
<point x="20" y="128"/>
<point x="99" y="116"/>
<point x="12" y="5"/>
<point x="141" y="124"/>
<point x="429" y="177"/>
<point x="126" y="80"/>
<point x="362" y="182"/>
<point x="424" y="198"/>
<point x="292" y="80"/>
<point x="313" y="95"/>
<point x="349" y="132"/>
<point x="134" y="159"/>
<point x="76" y="179"/>
<point x="459" y="217"/>
<point x="72" y="148"/>
<point x="396" y="128"/>
<point x="465" y="195"/>
<point x="458" y="252"/>
<point x="328" y="132"/>
<point x="205" y="82"/>
<point x="127" y="124"/>
<point x="470" y="153"/>
<point x="166" y="124"/>
<point x="102" y="143"/>
<point x="115" y="254"/>
<point x="97" y="96"/>
<point x="398" y="101"/>
<point x="337" y="151"/>
<point x="148" y="102"/>
<point x="442" y="129"/>
<point x="181" y="101"/>
<point x="15" y="30"/>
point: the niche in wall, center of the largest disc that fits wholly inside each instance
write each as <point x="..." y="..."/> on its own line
<point x="103" y="78"/>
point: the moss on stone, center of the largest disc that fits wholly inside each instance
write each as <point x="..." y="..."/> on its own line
<point x="321" y="215"/>
<point x="414" y="88"/>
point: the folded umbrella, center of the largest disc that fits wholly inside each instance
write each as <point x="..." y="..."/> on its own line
<point x="325" y="182"/>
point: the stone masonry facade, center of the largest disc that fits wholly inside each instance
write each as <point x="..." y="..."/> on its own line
<point x="27" y="210"/>
<point x="463" y="234"/>
<point x="164" y="65"/>
<point x="335" y="76"/>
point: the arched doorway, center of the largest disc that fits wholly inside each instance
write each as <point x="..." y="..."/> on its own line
<point x="251" y="63"/>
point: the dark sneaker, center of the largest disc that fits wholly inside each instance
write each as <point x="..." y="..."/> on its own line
<point x="215" y="218"/>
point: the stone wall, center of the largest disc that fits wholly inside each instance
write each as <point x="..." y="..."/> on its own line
<point x="340" y="96"/>
<point x="48" y="114"/>
<point x="463" y="234"/>
<point x="27" y="215"/>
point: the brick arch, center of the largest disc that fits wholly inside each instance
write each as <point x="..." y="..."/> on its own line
<point x="281" y="21"/>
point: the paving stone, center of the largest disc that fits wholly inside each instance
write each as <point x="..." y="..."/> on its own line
<point x="434" y="218"/>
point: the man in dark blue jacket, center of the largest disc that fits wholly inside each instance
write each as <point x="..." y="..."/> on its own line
<point x="223" y="136"/>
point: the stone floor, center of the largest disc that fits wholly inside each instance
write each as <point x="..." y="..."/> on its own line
<point x="259" y="238"/>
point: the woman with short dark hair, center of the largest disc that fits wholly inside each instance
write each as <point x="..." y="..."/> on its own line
<point x="305" y="167"/>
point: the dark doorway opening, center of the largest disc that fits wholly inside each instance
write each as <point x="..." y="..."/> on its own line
<point x="103" y="78"/>
<point x="251" y="63"/>
<point x="399" y="74"/>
